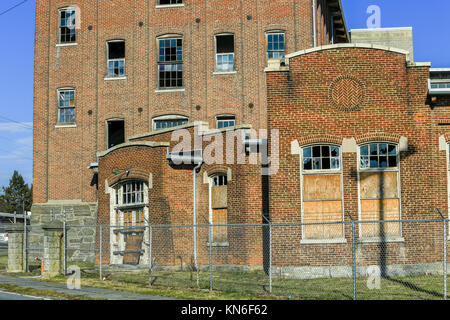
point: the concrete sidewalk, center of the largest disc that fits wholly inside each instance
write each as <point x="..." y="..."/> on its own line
<point x="94" y="293"/>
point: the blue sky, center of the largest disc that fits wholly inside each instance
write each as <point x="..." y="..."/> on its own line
<point x="430" y="21"/>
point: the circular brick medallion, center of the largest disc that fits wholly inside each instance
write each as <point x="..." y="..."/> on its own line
<point x="346" y="93"/>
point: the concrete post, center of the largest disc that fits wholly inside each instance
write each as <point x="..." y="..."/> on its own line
<point x="53" y="248"/>
<point x="15" y="248"/>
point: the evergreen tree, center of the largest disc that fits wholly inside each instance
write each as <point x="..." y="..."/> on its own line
<point x="15" y="195"/>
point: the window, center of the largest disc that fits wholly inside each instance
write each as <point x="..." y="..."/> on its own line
<point x="67" y="25"/>
<point x="167" y="122"/>
<point x="219" y="207"/>
<point x="133" y="193"/>
<point x="169" y="2"/>
<point x="66" y="113"/>
<point x="321" y="158"/>
<point x="116" y="59"/>
<point x="379" y="189"/>
<point x="170" y="63"/>
<point x="440" y="85"/>
<point x="275" y="45"/>
<point x="225" y="53"/>
<point x="322" y="196"/>
<point x="116" y="132"/>
<point x="226" y="121"/>
<point x="378" y="156"/>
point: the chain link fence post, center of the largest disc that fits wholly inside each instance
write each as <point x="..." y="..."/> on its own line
<point x="65" y="248"/>
<point x="101" y="251"/>
<point x="444" y="261"/>
<point x="150" y="254"/>
<point x="25" y="242"/>
<point x="270" y="253"/>
<point x="353" y="255"/>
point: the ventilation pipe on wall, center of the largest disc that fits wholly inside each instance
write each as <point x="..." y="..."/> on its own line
<point x="194" y="157"/>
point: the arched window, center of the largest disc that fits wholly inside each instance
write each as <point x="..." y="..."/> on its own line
<point x="322" y="196"/>
<point x="169" y="121"/>
<point x="379" y="189"/>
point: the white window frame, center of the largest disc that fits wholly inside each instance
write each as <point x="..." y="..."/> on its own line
<point x="364" y="170"/>
<point x="108" y="75"/>
<point x="274" y="32"/>
<point x="67" y="43"/>
<point x="302" y="197"/>
<point x="230" y="117"/>
<point x="233" y="54"/>
<point x="168" y="118"/>
<point x="158" y="63"/>
<point x="170" y="5"/>
<point x="63" y="124"/>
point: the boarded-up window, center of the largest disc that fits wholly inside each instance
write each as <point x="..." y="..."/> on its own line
<point x="219" y="207"/>
<point x="322" y="192"/>
<point x="379" y="190"/>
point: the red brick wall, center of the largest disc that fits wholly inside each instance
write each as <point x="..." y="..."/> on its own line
<point x="394" y="104"/>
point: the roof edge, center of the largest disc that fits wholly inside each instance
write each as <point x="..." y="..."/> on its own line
<point x="149" y="144"/>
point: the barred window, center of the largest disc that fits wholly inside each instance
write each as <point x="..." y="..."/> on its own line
<point x="275" y="45"/>
<point x="66" y="110"/>
<point x="321" y="158"/>
<point x="170" y="63"/>
<point x="67" y="25"/>
<point x="378" y="156"/>
<point x="133" y="193"/>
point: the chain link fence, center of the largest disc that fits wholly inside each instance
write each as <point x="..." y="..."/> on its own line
<point x="350" y="259"/>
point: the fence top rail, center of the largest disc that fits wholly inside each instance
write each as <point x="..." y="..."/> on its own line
<point x="292" y="224"/>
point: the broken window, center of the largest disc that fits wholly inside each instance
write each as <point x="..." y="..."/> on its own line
<point x="379" y="189"/>
<point x="170" y="63"/>
<point x="225" y="53"/>
<point x="116" y="133"/>
<point x="219" y="207"/>
<point x="66" y="110"/>
<point x="322" y="192"/>
<point x="226" y="121"/>
<point x="275" y="45"/>
<point x="166" y="122"/>
<point x="169" y="2"/>
<point x="67" y="25"/>
<point x="116" y="59"/>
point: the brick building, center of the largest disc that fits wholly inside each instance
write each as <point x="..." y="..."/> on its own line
<point x="107" y="71"/>
<point x="362" y="129"/>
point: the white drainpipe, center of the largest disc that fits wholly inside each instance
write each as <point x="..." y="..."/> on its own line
<point x="314" y="24"/>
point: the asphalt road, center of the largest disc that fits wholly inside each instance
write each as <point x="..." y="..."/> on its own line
<point x="14" y="296"/>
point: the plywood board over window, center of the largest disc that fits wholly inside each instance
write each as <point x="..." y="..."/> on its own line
<point x="379" y="190"/>
<point x="219" y="207"/>
<point x="322" y="193"/>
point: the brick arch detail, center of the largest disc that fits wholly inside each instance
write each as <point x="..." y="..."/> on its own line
<point x="447" y="137"/>
<point x="378" y="136"/>
<point x="320" y="139"/>
<point x="217" y="169"/>
<point x="134" y="174"/>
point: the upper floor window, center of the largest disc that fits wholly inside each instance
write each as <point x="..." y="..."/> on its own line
<point x="166" y="122"/>
<point x="66" y="106"/>
<point x="321" y="158"/>
<point x="225" y="53"/>
<point x="169" y="2"/>
<point x="67" y="25"/>
<point x="226" y="121"/>
<point x="275" y="45"/>
<point x="378" y="156"/>
<point x="116" y="59"/>
<point x="133" y="193"/>
<point x="170" y="63"/>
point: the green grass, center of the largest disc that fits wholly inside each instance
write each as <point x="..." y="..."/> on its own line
<point x="232" y="285"/>
<point x="53" y="295"/>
